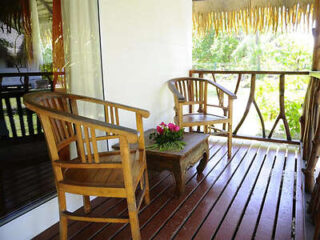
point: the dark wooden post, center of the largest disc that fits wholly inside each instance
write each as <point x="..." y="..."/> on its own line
<point x="4" y="132"/>
<point x="312" y="118"/>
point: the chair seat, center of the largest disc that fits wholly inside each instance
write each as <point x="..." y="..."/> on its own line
<point x="99" y="177"/>
<point x="201" y="119"/>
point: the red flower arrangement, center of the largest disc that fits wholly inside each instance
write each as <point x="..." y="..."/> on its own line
<point x="167" y="138"/>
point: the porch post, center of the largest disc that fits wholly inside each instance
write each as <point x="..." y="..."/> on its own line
<point x="311" y="149"/>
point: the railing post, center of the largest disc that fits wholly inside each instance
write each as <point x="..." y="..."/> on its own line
<point x="26" y="83"/>
<point x="250" y="101"/>
<point x="282" y="113"/>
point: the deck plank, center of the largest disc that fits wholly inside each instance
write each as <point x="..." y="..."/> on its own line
<point x="221" y="206"/>
<point x="102" y="230"/>
<point x="160" y="204"/>
<point x="258" y="194"/>
<point x="285" y="211"/>
<point x="268" y="214"/>
<point x="150" y="214"/>
<point x="249" y="220"/>
<point x="299" y="201"/>
<point x="216" y="163"/>
<point x="207" y="202"/>
<point x="238" y="205"/>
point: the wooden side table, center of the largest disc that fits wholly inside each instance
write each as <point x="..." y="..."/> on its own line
<point x="197" y="148"/>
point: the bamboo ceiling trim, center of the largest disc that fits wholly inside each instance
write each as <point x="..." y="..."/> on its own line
<point x="252" y="15"/>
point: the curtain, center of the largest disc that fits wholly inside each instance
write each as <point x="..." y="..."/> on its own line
<point x="36" y="40"/>
<point x="82" y="47"/>
<point x="82" y="52"/>
<point x="81" y="40"/>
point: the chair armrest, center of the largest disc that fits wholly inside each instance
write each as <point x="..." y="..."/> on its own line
<point x="175" y="91"/>
<point x="79" y="165"/>
<point x="226" y="91"/>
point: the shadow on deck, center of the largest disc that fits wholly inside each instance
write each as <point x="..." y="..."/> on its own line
<point x="257" y="194"/>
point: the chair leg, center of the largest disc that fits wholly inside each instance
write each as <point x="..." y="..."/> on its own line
<point x="86" y="204"/>
<point x="133" y="218"/>
<point x="63" y="219"/>
<point x="147" y="194"/>
<point x="229" y="140"/>
<point x="63" y="228"/>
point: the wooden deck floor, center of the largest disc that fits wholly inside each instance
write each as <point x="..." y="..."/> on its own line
<point x="256" y="195"/>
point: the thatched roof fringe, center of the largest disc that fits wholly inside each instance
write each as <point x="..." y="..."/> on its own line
<point x="274" y="18"/>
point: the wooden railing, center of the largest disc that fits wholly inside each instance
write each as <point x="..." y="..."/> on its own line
<point x="15" y="120"/>
<point x="252" y="100"/>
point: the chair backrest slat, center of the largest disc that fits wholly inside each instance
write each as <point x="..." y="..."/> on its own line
<point x="80" y="145"/>
<point x="106" y="112"/>
<point x="197" y="93"/>
<point x="62" y="124"/>
<point x="117" y="115"/>
<point x="94" y="146"/>
<point x="111" y="115"/>
<point x="88" y="146"/>
<point x="192" y="90"/>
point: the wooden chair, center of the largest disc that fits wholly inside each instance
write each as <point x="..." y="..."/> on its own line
<point x="116" y="174"/>
<point x="194" y="91"/>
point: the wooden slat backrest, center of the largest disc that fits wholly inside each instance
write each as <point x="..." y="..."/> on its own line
<point x="66" y="132"/>
<point x="69" y="128"/>
<point x="191" y="91"/>
<point x="111" y="114"/>
<point x="194" y="92"/>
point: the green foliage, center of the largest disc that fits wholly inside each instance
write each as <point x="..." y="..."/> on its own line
<point x="252" y="52"/>
<point x="293" y="113"/>
<point x="47" y="61"/>
<point x="47" y="67"/>
<point x="167" y="138"/>
<point x="267" y="96"/>
<point x="283" y="51"/>
<point x="168" y="146"/>
<point x="268" y="99"/>
<point x="214" y="51"/>
<point x="47" y="55"/>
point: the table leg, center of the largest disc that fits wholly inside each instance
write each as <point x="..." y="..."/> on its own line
<point x="203" y="162"/>
<point x="179" y="176"/>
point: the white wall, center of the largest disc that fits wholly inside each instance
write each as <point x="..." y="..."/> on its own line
<point x="39" y="219"/>
<point x="144" y="44"/>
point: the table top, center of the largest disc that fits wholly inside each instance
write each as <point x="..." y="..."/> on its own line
<point x="191" y="140"/>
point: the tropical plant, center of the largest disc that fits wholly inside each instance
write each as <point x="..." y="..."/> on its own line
<point x="167" y="138"/>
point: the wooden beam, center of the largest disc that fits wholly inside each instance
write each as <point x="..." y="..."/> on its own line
<point x="312" y="118"/>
